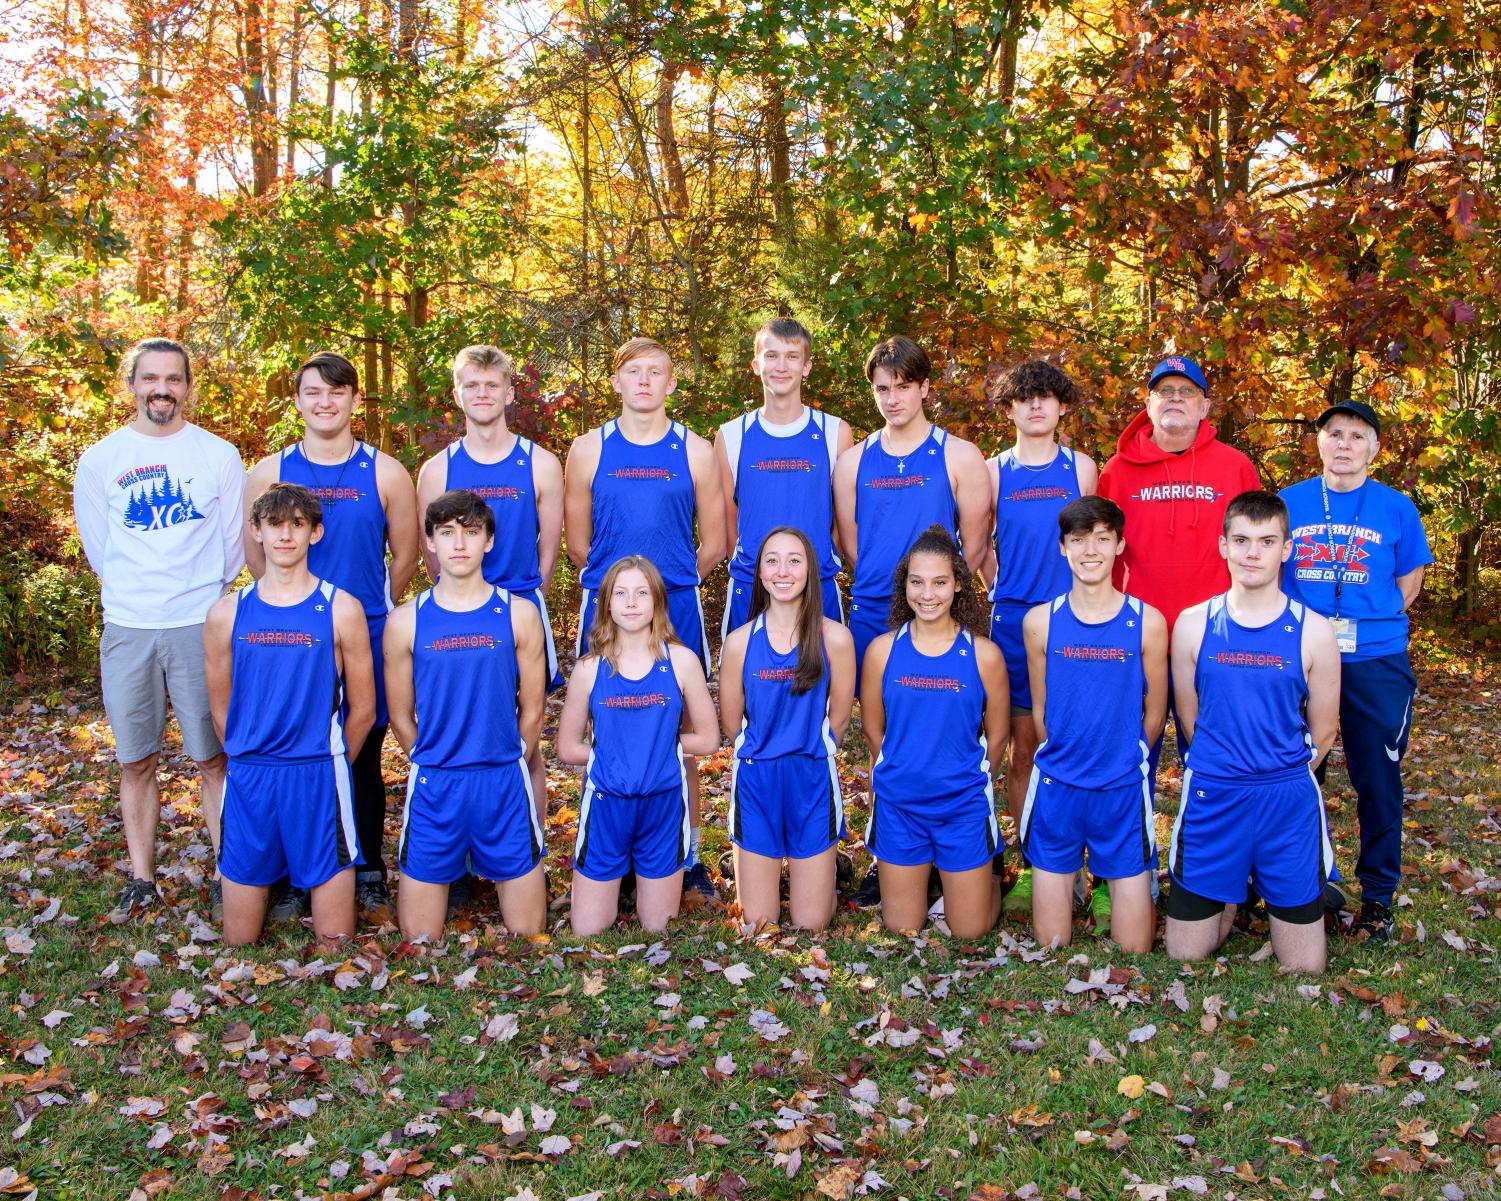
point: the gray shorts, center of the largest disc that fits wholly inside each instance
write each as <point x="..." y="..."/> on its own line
<point x="140" y="670"/>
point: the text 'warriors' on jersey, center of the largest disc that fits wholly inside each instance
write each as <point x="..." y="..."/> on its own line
<point x="464" y="677"/>
<point x="897" y="497"/>
<point x="643" y="504"/>
<point x="783" y="475"/>
<point x="507" y="487"/>
<point x="1096" y="686"/>
<point x="635" y="725"/>
<point x="1029" y="566"/>
<point x="1252" y="696"/>
<point x="286" y="694"/>
<point x="352" y="551"/>
<point x="934" y="744"/>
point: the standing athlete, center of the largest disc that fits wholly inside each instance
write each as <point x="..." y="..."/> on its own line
<point x="1098" y="661"/>
<point x="777" y="468"/>
<point x="903" y="478"/>
<point x="1257" y="678"/>
<point x="158" y="505"/>
<point x="636" y="486"/>
<point x="1359" y="553"/>
<point x="906" y="476"/>
<point x="466" y="667"/>
<point x="1030" y="484"/>
<point x="290" y="676"/>
<point x="369" y="505"/>
<point x="523" y="485"/>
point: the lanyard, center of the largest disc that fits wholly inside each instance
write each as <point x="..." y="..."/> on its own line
<point x="1341" y="563"/>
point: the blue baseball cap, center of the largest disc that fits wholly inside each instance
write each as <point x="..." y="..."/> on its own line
<point x="1177" y="365"/>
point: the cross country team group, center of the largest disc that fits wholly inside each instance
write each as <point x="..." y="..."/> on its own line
<point x="1027" y="622"/>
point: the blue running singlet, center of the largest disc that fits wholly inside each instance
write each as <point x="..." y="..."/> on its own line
<point x="1095" y="688"/>
<point x="897" y="497"/>
<point x="352" y="551"/>
<point x="934" y="748"/>
<point x="1029" y="566"/>
<point x="464" y="677"/>
<point x="783" y="475"/>
<point x="643" y="504"/>
<point x="1252" y="694"/>
<point x="507" y="487"/>
<point x="777" y="721"/>
<point x="635" y="728"/>
<point x="285" y="694"/>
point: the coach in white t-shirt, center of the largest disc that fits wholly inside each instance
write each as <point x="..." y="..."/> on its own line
<point x="160" y="506"/>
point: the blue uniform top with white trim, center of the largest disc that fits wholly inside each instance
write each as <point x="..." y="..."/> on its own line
<point x="933" y="749"/>
<point x="1252" y="694"/>
<point x="1377" y="535"/>
<point x="1029" y="566"/>
<point x="643" y="503"/>
<point x="778" y="721"/>
<point x="286" y="694"/>
<point x="1096" y="683"/>
<point x="634" y="731"/>
<point x="464" y="681"/>
<point x="352" y="551"/>
<point x="507" y="487"/>
<point x="783" y="475"/>
<point x="897" y="497"/>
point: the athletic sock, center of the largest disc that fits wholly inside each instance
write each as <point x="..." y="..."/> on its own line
<point x="692" y="848"/>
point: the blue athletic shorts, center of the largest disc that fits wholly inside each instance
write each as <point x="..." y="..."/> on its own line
<point x="1269" y="831"/>
<point x="1115" y="825"/>
<point x="785" y="808"/>
<point x="1006" y="632"/>
<point x="453" y="814"/>
<point x="287" y="820"/>
<point x="737" y="599"/>
<point x="867" y="623"/>
<point x="683" y="607"/>
<point x="956" y="835"/>
<point x="647" y="835"/>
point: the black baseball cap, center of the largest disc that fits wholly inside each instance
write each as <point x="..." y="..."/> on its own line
<point x="1353" y="407"/>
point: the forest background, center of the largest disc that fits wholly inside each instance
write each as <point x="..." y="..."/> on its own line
<point x="1300" y="195"/>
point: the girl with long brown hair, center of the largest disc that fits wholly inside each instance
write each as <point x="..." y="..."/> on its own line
<point x="637" y="703"/>
<point x="786" y="688"/>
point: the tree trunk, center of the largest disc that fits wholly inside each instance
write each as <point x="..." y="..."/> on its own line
<point x="260" y="104"/>
<point x="294" y="81"/>
<point x="779" y="155"/>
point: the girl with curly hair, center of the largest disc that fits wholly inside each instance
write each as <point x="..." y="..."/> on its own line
<point x="935" y="707"/>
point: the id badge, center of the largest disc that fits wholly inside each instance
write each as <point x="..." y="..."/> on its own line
<point x="1344" y="634"/>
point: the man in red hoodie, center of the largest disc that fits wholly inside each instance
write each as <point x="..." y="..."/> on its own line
<point x="1174" y="479"/>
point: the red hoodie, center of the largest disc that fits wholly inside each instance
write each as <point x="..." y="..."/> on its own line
<point x="1174" y="506"/>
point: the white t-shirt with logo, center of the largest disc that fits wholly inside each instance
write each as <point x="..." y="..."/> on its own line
<point x="161" y="521"/>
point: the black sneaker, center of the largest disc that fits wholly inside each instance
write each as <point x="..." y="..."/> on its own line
<point x="135" y="898"/>
<point x="216" y="901"/>
<point x="460" y="893"/>
<point x="726" y="865"/>
<point x="868" y="895"/>
<point x="372" y="900"/>
<point x="844" y="871"/>
<point x="696" y="880"/>
<point x="1335" y="900"/>
<point x="1375" y="923"/>
<point x="288" y="904"/>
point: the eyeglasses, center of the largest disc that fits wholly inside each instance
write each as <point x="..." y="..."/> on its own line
<point x="1177" y="393"/>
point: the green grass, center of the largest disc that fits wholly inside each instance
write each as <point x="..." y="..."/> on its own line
<point x="976" y="1070"/>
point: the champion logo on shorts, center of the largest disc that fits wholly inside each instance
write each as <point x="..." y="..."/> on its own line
<point x="320" y="608"/>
